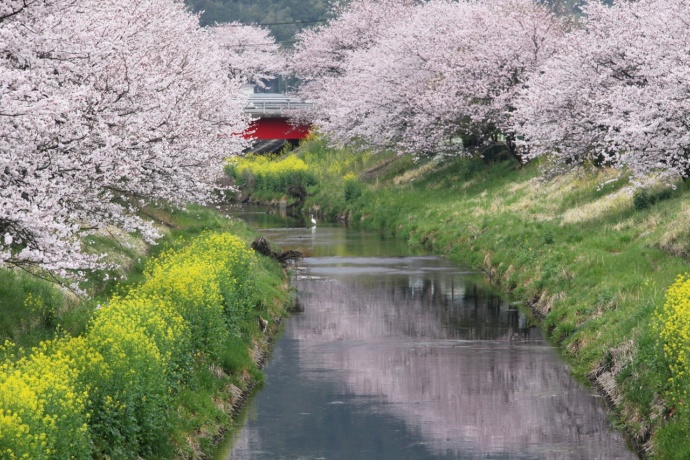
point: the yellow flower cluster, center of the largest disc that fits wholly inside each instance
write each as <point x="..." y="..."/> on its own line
<point x="265" y="173"/>
<point x="42" y="409"/>
<point x="206" y="281"/>
<point x="350" y="177"/>
<point x="263" y="164"/>
<point x="107" y="392"/>
<point x="673" y="325"/>
<point x="334" y="163"/>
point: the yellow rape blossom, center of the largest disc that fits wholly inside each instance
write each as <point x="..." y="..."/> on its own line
<point x="673" y="327"/>
<point x="109" y="390"/>
<point x="265" y="173"/>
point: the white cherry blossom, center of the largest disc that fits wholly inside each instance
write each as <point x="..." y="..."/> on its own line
<point x="106" y="105"/>
<point x="425" y="77"/>
<point x="617" y="93"/>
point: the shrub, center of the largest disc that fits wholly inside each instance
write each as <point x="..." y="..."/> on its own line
<point x="673" y="335"/>
<point x="352" y="187"/>
<point x="107" y="393"/>
<point x="129" y="393"/>
<point x="328" y="163"/>
<point x="262" y="172"/>
<point x="193" y="288"/>
<point x="29" y="307"/>
<point x="209" y="281"/>
<point x="642" y="199"/>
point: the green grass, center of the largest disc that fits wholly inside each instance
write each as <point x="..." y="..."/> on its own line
<point x="325" y="165"/>
<point x="23" y="322"/>
<point x="54" y="309"/>
<point x="577" y="249"/>
<point x="33" y="310"/>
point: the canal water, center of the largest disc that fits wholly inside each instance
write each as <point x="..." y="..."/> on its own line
<point x="402" y="355"/>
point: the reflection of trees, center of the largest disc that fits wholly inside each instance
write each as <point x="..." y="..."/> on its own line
<point x="438" y="350"/>
<point x="493" y="397"/>
<point x="436" y="306"/>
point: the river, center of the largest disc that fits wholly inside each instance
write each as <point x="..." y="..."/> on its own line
<point x="403" y="355"/>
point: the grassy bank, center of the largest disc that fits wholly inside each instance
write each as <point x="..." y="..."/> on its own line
<point x="152" y="363"/>
<point x="591" y="258"/>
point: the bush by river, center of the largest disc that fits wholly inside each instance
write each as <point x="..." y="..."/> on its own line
<point x="152" y="365"/>
<point x="591" y="257"/>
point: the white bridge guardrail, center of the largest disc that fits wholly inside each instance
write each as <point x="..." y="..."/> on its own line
<point x="273" y="104"/>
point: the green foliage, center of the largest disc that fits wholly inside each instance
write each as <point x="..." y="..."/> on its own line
<point x="352" y="187"/>
<point x="673" y="326"/>
<point x="288" y="17"/>
<point x="234" y="356"/>
<point x="562" y="331"/>
<point x="673" y="441"/>
<point x="109" y="392"/>
<point x="643" y="198"/>
<point x="43" y="410"/>
<point x="330" y="164"/>
<point x="29" y="307"/>
<point x="576" y="250"/>
<point x="272" y="174"/>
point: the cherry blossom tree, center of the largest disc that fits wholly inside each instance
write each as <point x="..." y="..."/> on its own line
<point x="433" y="75"/>
<point x="106" y="105"/>
<point x="325" y="51"/>
<point x="617" y="93"/>
<point x="321" y="55"/>
<point x="250" y="52"/>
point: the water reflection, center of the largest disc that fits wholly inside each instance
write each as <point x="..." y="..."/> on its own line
<point x="324" y="240"/>
<point x="411" y="357"/>
<point x="412" y="297"/>
<point x="262" y="217"/>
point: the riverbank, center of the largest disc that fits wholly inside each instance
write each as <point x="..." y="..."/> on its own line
<point x="158" y="355"/>
<point x="588" y="256"/>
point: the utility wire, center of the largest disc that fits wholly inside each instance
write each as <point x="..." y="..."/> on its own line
<point x="252" y="45"/>
<point x="282" y="23"/>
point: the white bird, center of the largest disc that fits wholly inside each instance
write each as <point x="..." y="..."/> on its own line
<point x="313" y="221"/>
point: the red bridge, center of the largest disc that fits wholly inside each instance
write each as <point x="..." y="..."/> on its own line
<point x="273" y="121"/>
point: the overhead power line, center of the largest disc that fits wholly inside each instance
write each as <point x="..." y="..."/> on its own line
<point x="284" y="23"/>
<point x="252" y="45"/>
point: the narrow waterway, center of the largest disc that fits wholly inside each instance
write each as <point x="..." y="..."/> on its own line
<point x="402" y="355"/>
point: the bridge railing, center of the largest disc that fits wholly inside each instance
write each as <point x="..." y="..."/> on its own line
<point x="274" y="104"/>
